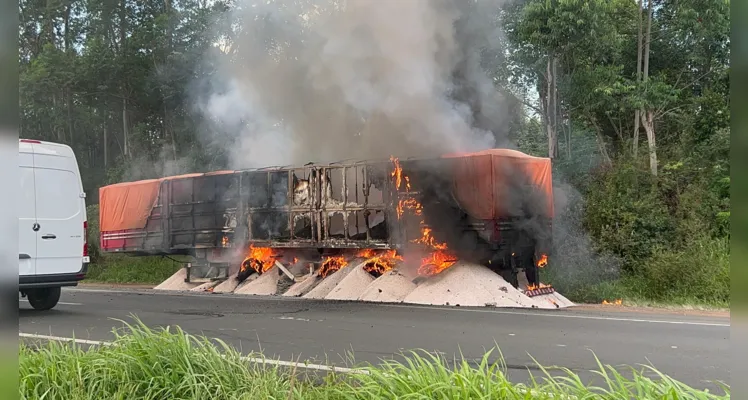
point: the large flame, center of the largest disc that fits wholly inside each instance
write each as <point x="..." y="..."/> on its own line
<point x="543" y="261"/>
<point x="332" y="264"/>
<point x="260" y="259"/>
<point x="439" y="257"/>
<point x="378" y="264"/>
<point x="435" y="263"/>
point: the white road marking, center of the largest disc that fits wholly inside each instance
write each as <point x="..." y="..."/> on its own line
<point x="559" y="314"/>
<point x="59" y="302"/>
<point x="294" y="364"/>
<point x="63" y="339"/>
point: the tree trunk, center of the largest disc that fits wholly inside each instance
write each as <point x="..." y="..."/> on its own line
<point x="555" y="107"/>
<point x="637" y="113"/>
<point x="123" y="54"/>
<point x="106" y="143"/>
<point x="125" y="133"/>
<point x="648" y="113"/>
<point x="648" y="122"/>
<point x="550" y="110"/>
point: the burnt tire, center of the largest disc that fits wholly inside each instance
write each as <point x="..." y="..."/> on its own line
<point x="43" y="299"/>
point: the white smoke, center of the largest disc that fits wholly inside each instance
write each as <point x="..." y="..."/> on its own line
<point x="323" y="81"/>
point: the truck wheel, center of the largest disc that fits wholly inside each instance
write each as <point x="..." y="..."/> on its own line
<point x="44" y="298"/>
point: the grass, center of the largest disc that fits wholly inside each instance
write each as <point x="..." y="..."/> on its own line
<point x="697" y="276"/>
<point x="145" y="363"/>
<point x="126" y="269"/>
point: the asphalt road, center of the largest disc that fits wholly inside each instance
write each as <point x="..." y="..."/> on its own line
<point x="692" y="349"/>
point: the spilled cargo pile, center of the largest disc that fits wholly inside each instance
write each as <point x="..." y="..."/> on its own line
<point x="462" y="284"/>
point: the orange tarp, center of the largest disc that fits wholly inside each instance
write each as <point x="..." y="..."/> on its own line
<point x="127" y="205"/>
<point x="485" y="182"/>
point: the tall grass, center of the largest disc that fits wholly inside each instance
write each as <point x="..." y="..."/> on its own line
<point x="144" y="363"/>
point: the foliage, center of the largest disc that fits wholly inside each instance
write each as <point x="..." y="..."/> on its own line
<point x="147" y="363"/>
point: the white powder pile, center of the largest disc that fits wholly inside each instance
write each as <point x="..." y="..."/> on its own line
<point x="392" y="287"/>
<point x="469" y="285"/>
<point x="266" y="284"/>
<point x="350" y="287"/>
<point x="176" y="282"/>
<point x="328" y="284"/>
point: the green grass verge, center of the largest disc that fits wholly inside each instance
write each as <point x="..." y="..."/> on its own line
<point x="168" y="363"/>
<point x="125" y="269"/>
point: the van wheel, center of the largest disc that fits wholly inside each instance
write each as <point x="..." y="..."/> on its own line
<point x="44" y="298"/>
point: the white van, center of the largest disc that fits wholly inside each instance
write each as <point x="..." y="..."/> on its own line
<point x="52" y="225"/>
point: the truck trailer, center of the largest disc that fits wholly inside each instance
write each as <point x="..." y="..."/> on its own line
<point x="493" y="207"/>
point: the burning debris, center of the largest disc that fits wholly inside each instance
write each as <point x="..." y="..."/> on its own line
<point x="378" y="264"/>
<point x="617" y="302"/>
<point x="331" y="265"/>
<point x="543" y="261"/>
<point x="540" y="289"/>
<point x="258" y="260"/>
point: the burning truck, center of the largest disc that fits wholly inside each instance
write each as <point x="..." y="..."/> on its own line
<point x="492" y="208"/>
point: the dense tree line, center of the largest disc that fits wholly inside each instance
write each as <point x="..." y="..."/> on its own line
<point x="629" y="97"/>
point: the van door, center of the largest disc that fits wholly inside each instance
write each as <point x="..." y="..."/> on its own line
<point x="26" y="216"/>
<point x="59" y="214"/>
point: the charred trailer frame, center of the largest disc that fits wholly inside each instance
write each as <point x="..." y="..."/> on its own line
<point x="215" y="217"/>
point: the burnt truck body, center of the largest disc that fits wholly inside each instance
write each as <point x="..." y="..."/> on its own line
<point x="494" y="208"/>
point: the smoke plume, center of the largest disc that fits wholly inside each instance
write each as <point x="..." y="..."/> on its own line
<point x="322" y="81"/>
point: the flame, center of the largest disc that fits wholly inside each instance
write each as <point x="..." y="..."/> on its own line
<point x="543" y="261"/>
<point x="378" y="264"/>
<point x="410" y="204"/>
<point x="295" y="260"/>
<point x="332" y="264"/>
<point x="540" y="286"/>
<point x="617" y="302"/>
<point x="397" y="173"/>
<point x="260" y="259"/>
<point x="440" y="258"/>
<point x="435" y="263"/>
<point x="427" y="240"/>
<point x="225" y="241"/>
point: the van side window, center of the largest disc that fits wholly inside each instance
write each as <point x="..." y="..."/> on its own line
<point x="26" y="200"/>
<point x="57" y="194"/>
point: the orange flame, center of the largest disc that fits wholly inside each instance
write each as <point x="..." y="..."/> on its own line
<point x="435" y="263"/>
<point x="381" y="263"/>
<point x="617" y="302"/>
<point x="427" y="240"/>
<point x="397" y="173"/>
<point x="225" y="241"/>
<point x="410" y="204"/>
<point x="260" y="259"/>
<point x="439" y="259"/>
<point x="332" y="264"/>
<point x="543" y="261"/>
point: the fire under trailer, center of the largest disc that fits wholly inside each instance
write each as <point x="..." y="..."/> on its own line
<point x="492" y="207"/>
